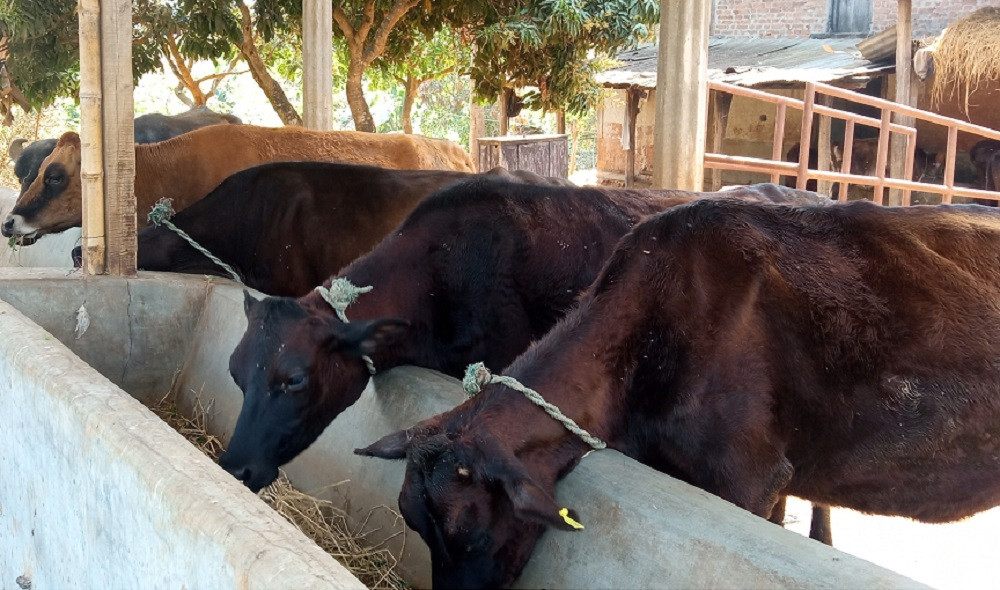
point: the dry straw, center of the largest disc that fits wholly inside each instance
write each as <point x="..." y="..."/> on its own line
<point x="966" y="55"/>
<point x="319" y="519"/>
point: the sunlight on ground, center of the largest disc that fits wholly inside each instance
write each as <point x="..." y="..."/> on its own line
<point x="956" y="556"/>
<point x="584" y="177"/>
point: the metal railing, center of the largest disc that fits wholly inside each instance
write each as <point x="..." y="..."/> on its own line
<point x="777" y="166"/>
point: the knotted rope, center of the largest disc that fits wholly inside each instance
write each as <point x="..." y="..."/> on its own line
<point x="160" y="215"/>
<point x="342" y="293"/>
<point x="478" y="376"/>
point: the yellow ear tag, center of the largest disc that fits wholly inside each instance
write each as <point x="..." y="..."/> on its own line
<point x="565" y="514"/>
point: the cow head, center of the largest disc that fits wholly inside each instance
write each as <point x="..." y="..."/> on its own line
<point x="53" y="201"/>
<point x="298" y="371"/>
<point x="472" y="501"/>
<point x="985" y="155"/>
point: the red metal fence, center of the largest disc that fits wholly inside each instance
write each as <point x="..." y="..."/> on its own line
<point x="776" y="166"/>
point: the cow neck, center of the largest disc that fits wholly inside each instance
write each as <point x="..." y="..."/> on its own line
<point x="565" y="376"/>
<point x="384" y="301"/>
<point x="168" y="169"/>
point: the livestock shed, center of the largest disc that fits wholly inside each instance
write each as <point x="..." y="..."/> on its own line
<point x="779" y="65"/>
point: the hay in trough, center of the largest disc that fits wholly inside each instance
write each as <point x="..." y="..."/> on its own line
<point x="967" y="54"/>
<point x="319" y="519"/>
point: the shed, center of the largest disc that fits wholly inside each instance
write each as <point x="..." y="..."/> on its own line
<point x="780" y="65"/>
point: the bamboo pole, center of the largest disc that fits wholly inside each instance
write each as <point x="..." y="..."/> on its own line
<point x="904" y="95"/>
<point x="117" y="137"/>
<point x="91" y="142"/>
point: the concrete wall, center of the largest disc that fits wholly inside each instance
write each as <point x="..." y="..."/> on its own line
<point x="99" y="493"/>
<point x="643" y="528"/>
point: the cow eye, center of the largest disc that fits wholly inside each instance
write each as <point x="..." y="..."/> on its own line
<point x="296" y="382"/>
<point x="54" y="180"/>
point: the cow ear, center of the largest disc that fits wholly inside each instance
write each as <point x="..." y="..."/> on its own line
<point x="530" y="501"/>
<point x="69" y="139"/>
<point x="391" y="446"/>
<point x="533" y="504"/>
<point x="248" y="302"/>
<point x="366" y="337"/>
<point x="16" y="148"/>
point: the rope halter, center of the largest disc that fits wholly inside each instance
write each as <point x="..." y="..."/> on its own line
<point x="478" y="376"/>
<point x="161" y="213"/>
<point x="339" y="295"/>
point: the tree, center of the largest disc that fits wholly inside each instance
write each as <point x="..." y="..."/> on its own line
<point x="427" y="59"/>
<point x="214" y="28"/>
<point x="556" y="46"/>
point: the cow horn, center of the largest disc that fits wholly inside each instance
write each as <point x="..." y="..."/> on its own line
<point x="16" y="148"/>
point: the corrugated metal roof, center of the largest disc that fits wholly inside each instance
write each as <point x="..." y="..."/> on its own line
<point x="754" y="62"/>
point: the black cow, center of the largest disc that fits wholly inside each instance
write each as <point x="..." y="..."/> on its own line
<point x="985" y="155"/>
<point x="846" y="355"/>
<point x="286" y="227"/>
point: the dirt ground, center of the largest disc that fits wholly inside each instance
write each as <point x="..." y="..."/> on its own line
<point x="955" y="556"/>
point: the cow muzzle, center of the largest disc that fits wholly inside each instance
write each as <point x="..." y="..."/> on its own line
<point x="254" y="476"/>
<point x="15" y="227"/>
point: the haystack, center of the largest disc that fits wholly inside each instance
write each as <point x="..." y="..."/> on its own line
<point x="967" y="54"/>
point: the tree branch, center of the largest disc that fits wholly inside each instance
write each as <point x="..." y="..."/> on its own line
<point x="376" y="46"/>
<point x="342" y="20"/>
<point x="367" y="20"/>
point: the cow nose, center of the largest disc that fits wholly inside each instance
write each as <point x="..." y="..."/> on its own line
<point x="8" y="227"/>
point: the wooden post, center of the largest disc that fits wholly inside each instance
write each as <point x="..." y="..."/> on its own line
<point x="904" y="93"/>
<point x="107" y="53"/>
<point x="561" y="122"/>
<point x="718" y="116"/>
<point x="317" y="64"/>
<point x="882" y="156"/>
<point x="778" y="143"/>
<point x="504" y="104"/>
<point x="805" y="136"/>
<point x="477" y="128"/>
<point x="91" y="157"/>
<point x="632" y="96"/>
<point x="681" y="95"/>
<point x="823" y="155"/>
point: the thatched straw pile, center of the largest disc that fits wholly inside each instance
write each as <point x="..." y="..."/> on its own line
<point x="966" y="55"/>
<point x="318" y="519"/>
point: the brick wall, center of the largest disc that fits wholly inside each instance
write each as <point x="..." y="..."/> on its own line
<point x="802" y="18"/>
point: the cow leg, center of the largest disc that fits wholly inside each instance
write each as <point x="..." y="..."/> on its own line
<point x="778" y="512"/>
<point x="820" y="528"/>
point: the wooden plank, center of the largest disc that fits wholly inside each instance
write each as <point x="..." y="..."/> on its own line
<point x="317" y="64"/>
<point x="682" y="95"/>
<point x="631" y="114"/>
<point x="93" y="242"/>
<point x="823" y="155"/>
<point x="559" y="157"/>
<point x="845" y="166"/>
<point x="718" y="106"/>
<point x="777" y="144"/>
<point x="904" y="94"/>
<point x="882" y="156"/>
<point x="805" y="136"/>
<point x="119" y="151"/>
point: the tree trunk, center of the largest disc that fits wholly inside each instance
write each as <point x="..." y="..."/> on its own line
<point x="477" y="128"/>
<point x="363" y="120"/>
<point x="272" y="90"/>
<point x="409" y="97"/>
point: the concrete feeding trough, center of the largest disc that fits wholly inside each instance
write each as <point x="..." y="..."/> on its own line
<point x="97" y="488"/>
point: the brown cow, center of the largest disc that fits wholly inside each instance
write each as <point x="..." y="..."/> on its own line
<point x="476" y="272"/>
<point x="846" y="355"/>
<point x="187" y="167"/>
